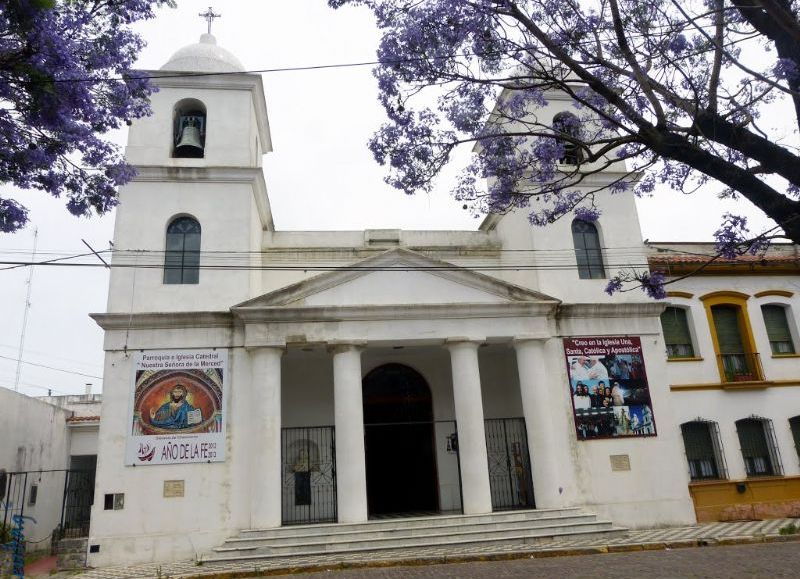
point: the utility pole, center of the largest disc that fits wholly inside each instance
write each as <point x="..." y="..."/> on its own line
<point x="27" y="309"/>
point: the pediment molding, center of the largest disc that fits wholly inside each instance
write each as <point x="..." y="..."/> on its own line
<point x="397" y="260"/>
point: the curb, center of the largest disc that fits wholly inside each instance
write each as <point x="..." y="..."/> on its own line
<point x="539" y="554"/>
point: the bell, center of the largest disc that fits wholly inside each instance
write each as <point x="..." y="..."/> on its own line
<point x="190" y="144"/>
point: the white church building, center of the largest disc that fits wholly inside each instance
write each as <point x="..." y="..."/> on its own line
<point x="257" y="379"/>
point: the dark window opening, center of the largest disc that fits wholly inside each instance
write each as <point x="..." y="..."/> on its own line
<point x="677" y="336"/>
<point x="780" y="337"/>
<point x="759" y="447"/>
<point x="703" y="446"/>
<point x="588" y="253"/>
<point x="189" y="131"/>
<point x="182" y="259"/>
<point x="569" y="127"/>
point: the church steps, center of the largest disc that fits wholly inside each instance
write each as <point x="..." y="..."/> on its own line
<point x="410" y="522"/>
<point x="367" y="540"/>
<point x="404" y="532"/>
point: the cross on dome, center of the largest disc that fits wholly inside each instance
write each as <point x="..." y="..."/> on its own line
<point x="209" y="16"/>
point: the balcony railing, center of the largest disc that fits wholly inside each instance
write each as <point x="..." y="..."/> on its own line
<point x="741" y="367"/>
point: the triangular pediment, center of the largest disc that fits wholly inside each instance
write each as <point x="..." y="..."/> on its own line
<point x="397" y="277"/>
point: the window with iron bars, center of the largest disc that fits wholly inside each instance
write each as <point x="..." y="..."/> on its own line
<point x="794" y="424"/>
<point x="759" y="447"/>
<point x="703" y="446"/>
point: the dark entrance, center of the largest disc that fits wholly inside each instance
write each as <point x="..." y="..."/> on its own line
<point x="400" y="445"/>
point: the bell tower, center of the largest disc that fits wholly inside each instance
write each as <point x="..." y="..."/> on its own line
<point x="199" y="192"/>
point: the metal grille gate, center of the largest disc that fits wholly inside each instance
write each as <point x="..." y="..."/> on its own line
<point x="509" y="464"/>
<point x="22" y="493"/>
<point x="308" y="457"/>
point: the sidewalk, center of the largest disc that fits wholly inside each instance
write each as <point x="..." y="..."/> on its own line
<point x="712" y="534"/>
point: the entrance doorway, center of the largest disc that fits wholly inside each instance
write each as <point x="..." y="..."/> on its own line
<point x="400" y="443"/>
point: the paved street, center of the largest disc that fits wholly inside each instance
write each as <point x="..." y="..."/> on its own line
<point x="773" y="560"/>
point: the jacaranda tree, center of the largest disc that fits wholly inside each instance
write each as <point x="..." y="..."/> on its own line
<point x="65" y="80"/>
<point x="675" y="88"/>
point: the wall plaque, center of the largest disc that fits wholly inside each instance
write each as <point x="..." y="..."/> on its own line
<point x="620" y="462"/>
<point x="173" y="488"/>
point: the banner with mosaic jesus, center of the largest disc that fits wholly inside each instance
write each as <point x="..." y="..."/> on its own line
<point x="608" y="387"/>
<point x="178" y="407"/>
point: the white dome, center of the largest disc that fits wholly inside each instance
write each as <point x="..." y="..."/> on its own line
<point x="205" y="56"/>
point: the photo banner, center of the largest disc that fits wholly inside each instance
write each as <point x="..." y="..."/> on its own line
<point x="608" y="387"/>
<point x="177" y="413"/>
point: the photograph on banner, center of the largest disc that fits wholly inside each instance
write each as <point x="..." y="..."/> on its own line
<point x="608" y="387"/>
<point x="178" y="407"/>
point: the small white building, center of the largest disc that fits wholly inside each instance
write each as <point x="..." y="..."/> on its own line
<point x="48" y="452"/>
<point x="256" y="378"/>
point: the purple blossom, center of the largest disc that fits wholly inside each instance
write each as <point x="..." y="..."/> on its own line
<point x="653" y="284"/>
<point x="614" y="285"/>
<point x="51" y="131"/>
<point x="787" y="69"/>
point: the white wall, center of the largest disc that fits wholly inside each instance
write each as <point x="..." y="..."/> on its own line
<point x="34" y="437"/>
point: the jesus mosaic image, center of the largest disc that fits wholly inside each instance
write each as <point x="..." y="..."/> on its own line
<point x="177" y="413"/>
<point x="177" y="402"/>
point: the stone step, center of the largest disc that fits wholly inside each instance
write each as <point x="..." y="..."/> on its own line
<point x="527" y="536"/>
<point x="373" y="532"/>
<point x="408" y="522"/>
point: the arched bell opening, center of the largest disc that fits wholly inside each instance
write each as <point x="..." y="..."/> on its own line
<point x="400" y="443"/>
<point x="189" y="129"/>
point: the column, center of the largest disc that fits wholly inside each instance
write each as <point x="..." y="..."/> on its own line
<point x="265" y="437"/>
<point x="475" y="489"/>
<point x="351" y="469"/>
<point x="550" y="461"/>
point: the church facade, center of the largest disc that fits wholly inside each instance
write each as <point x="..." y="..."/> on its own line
<point x="256" y="378"/>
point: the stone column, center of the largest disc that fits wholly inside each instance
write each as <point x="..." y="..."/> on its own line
<point x="265" y="437"/>
<point x="539" y="405"/>
<point x="475" y="489"/>
<point x="351" y="469"/>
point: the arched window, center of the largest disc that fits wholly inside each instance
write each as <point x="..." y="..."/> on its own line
<point x="189" y="129"/>
<point x="567" y="124"/>
<point x="182" y="260"/>
<point x="778" y="332"/>
<point x="759" y="446"/>
<point x="703" y="446"/>
<point x="588" y="254"/>
<point x="677" y="334"/>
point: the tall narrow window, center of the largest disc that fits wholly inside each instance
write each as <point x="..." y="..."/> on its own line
<point x="738" y="364"/>
<point x="182" y="260"/>
<point x="780" y="338"/>
<point x="588" y="254"/>
<point x="759" y="447"/>
<point x="568" y="125"/>
<point x="794" y="424"/>
<point x="677" y="336"/>
<point x="703" y="450"/>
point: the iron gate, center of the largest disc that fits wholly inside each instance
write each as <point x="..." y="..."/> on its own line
<point x="36" y="493"/>
<point x="308" y="493"/>
<point x="509" y="464"/>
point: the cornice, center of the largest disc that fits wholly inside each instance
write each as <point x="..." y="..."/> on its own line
<point x="164" y="320"/>
<point x="629" y="310"/>
<point x="283" y="314"/>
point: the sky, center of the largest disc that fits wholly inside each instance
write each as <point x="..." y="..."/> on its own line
<point x="320" y="177"/>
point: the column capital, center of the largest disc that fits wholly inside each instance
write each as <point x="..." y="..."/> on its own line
<point x="339" y="346"/>
<point x="254" y="348"/>
<point x="529" y="338"/>
<point x="463" y="340"/>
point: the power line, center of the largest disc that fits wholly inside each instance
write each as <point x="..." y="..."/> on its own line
<point x="50" y="367"/>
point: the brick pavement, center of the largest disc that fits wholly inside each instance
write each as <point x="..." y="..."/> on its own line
<point x="640" y="540"/>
